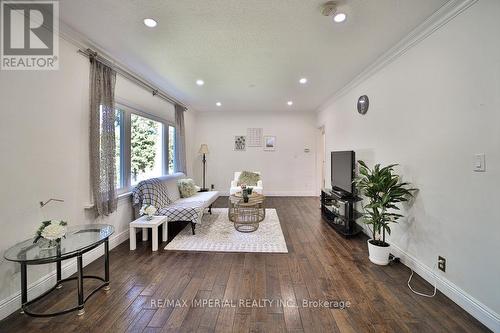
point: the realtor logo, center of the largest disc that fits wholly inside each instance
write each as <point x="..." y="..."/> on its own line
<point x="30" y="35"/>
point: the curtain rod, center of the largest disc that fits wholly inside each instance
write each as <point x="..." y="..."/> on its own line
<point x="125" y="73"/>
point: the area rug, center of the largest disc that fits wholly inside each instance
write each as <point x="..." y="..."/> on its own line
<point x="217" y="234"/>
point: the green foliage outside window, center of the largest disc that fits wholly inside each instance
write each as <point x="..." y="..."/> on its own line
<point x="171" y="149"/>
<point x="142" y="143"/>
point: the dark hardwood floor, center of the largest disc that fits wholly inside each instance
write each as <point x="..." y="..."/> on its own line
<point x="320" y="265"/>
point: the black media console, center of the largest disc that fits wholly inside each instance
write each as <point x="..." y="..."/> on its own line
<point x="339" y="212"/>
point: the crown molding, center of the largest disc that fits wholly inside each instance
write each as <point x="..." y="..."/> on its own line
<point x="438" y="19"/>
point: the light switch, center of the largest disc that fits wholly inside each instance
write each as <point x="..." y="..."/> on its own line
<point x="479" y="162"/>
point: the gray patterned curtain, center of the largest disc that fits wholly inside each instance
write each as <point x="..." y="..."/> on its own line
<point x="180" y="140"/>
<point x="102" y="137"/>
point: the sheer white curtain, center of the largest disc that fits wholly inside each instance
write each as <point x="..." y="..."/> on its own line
<point x="180" y="140"/>
<point x="102" y="137"/>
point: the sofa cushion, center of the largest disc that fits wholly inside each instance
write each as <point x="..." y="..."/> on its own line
<point x="248" y="178"/>
<point x="207" y="198"/>
<point x="187" y="187"/>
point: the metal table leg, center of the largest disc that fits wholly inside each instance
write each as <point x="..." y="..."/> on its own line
<point x="106" y="264"/>
<point x="59" y="275"/>
<point x="81" y="310"/>
<point x="24" y="286"/>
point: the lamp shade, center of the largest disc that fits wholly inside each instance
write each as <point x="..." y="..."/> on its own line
<point x="203" y="149"/>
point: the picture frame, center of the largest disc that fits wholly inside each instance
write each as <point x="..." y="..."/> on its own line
<point x="240" y="143"/>
<point x="269" y="143"/>
<point x="254" y="137"/>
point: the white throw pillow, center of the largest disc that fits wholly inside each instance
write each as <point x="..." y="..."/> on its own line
<point x="187" y="187"/>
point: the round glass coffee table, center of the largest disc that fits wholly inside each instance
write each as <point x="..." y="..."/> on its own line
<point x="246" y="216"/>
<point x="79" y="239"/>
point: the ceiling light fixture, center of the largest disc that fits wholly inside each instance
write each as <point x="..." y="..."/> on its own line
<point x="200" y="82"/>
<point x="330" y="8"/>
<point x="149" y="22"/>
<point x="303" y="80"/>
<point x="290" y="103"/>
<point x="218" y="103"/>
<point x="340" y="17"/>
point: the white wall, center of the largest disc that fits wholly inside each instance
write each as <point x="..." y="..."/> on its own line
<point x="44" y="154"/>
<point x="130" y="94"/>
<point x="430" y="111"/>
<point x="191" y="149"/>
<point x="286" y="171"/>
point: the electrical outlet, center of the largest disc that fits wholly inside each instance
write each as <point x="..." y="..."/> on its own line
<point x="442" y="263"/>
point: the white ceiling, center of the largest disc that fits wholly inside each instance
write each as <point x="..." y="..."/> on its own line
<point x="250" y="54"/>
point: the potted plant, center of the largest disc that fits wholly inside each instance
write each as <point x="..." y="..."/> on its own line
<point x="149" y="211"/>
<point x="384" y="191"/>
<point x="51" y="233"/>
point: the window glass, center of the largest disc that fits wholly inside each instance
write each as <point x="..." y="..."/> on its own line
<point x="119" y="146"/>
<point x="146" y="148"/>
<point x="171" y="149"/>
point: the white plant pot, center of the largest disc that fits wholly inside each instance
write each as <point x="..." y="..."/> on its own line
<point x="378" y="254"/>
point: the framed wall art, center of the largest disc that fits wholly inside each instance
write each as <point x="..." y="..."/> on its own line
<point x="269" y="143"/>
<point x="240" y="143"/>
<point x="254" y="137"/>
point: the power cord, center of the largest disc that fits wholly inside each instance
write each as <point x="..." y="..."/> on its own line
<point x="394" y="259"/>
<point x="422" y="294"/>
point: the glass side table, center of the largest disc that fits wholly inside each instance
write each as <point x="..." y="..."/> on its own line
<point x="79" y="240"/>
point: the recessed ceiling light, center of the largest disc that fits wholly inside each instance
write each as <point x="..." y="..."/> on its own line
<point x="340" y="17"/>
<point x="200" y="82"/>
<point x="149" y="22"/>
<point x="218" y="103"/>
<point x="290" y="103"/>
<point x="303" y="80"/>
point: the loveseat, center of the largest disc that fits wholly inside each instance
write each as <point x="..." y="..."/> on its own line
<point x="163" y="193"/>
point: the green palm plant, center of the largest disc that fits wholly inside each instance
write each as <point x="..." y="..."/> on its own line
<point x="384" y="191"/>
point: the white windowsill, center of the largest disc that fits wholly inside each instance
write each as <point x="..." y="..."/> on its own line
<point x="124" y="195"/>
<point x="120" y="197"/>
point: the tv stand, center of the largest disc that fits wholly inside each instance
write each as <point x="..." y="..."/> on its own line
<point x="338" y="194"/>
<point x="338" y="211"/>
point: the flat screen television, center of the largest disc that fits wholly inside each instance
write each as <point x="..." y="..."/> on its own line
<point x="343" y="172"/>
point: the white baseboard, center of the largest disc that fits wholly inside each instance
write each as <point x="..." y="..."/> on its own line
<point x="475" y="308"/>
<point x="291" y="194"/>
<point x="13" y="303"/>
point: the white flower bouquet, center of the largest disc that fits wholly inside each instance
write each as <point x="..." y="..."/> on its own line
<point x="148" y="210"/>
<point x="52" y="231"/>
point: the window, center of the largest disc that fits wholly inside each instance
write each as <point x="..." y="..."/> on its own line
<point x="145" y="147"/>
<point x="119" y="146"/>
<point x="171" y="149"/>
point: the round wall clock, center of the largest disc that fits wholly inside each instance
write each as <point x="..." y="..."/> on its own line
<point x="363" y="103"/>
